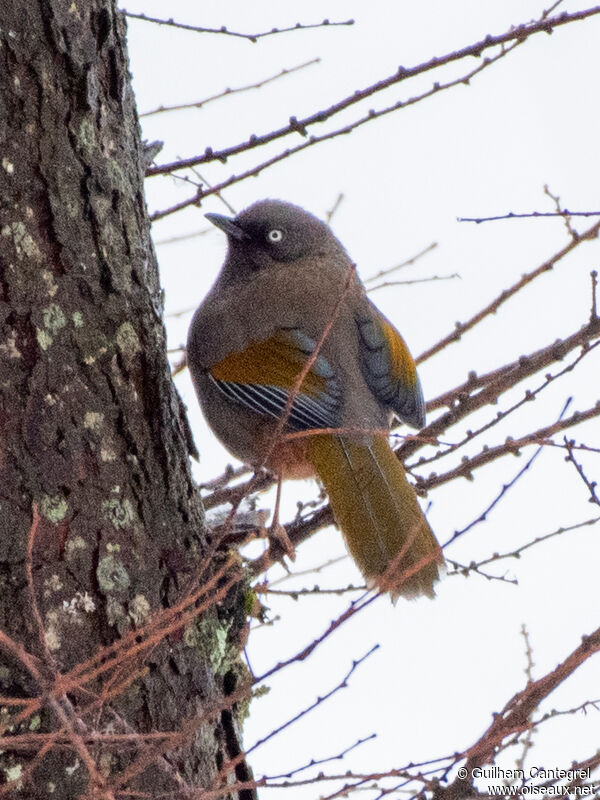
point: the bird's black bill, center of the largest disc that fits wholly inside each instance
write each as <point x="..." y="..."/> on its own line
<point x="227" y="225"/>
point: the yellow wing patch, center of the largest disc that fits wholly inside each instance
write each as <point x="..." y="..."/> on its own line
<point x="273" y="362"/>
<point x="402" y="365"/>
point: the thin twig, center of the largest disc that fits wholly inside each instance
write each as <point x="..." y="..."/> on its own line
<point x="230" y="92"/>
<point x="251" y="37"/>
<point x="530" y="215"/>
<point x="491" y="308"/>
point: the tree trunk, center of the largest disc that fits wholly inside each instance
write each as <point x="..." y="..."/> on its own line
<point x="101" y="528"/>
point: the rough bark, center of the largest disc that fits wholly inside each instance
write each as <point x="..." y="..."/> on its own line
<point x="94" y="473"/>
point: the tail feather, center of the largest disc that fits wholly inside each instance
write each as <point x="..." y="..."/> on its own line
<point x="361" y="480"/>
<point x="378" y="512"/>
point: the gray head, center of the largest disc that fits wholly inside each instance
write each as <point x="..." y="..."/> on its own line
<point x="273" y="232"/>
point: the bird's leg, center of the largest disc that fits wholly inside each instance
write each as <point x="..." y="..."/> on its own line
<point x="277" y="534"/>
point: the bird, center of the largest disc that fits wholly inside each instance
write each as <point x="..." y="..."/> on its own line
<point x="297" y="371"/>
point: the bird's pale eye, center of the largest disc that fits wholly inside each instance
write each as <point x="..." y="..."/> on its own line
<point x="275" y="236"/>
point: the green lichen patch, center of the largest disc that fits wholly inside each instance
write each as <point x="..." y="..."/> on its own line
<point x="53" y="318"/>
<point x="9" y="346"/>
<point x="51" y="285"/>
<point x="93" y="420"/>
<point x="52" y="584"/>
<point x="51" y="633"/>
<point x="116" y="615"/>
<point x="35" y="722"/>
<point x="208" y="636"/>
<point x="119" y="512"/>
<point x="25" y="244"/>
<point x="87" y="135"/>
<point x="53" y="507"/>
<point x="127" y="341"/>
<point x="44" y="339"/>
<point x="14" y="773"/>
<point x="112" y="575"/>
<point x="139" y="610"/>
<point x="74" y="545"/>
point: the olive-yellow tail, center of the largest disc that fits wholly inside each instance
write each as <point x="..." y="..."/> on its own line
<point x="379" y="515"/>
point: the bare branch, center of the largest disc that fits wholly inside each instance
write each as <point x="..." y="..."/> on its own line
<point x="515" y="35"/>
<point x="251" y="37"/>
<point x="517" y="552"/>
<point x="531" y="215"/>
<point x="511" y="446"/>
<point x="591" y="485"/>
<point x="529" y="396"/>
<point x="230" y="92"/>
<point x="491" y="308"/>
<point x="501" y="494"/>
<point x="514" y="717"/>
<point x="296" y="126"/>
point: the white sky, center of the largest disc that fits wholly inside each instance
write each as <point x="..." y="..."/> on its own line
<point x="531" y="119"/>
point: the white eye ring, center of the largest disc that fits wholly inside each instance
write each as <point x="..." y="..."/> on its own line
<point x="275" y="236"/>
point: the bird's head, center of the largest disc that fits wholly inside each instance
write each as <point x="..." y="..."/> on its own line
<point x="271" y="233"/>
